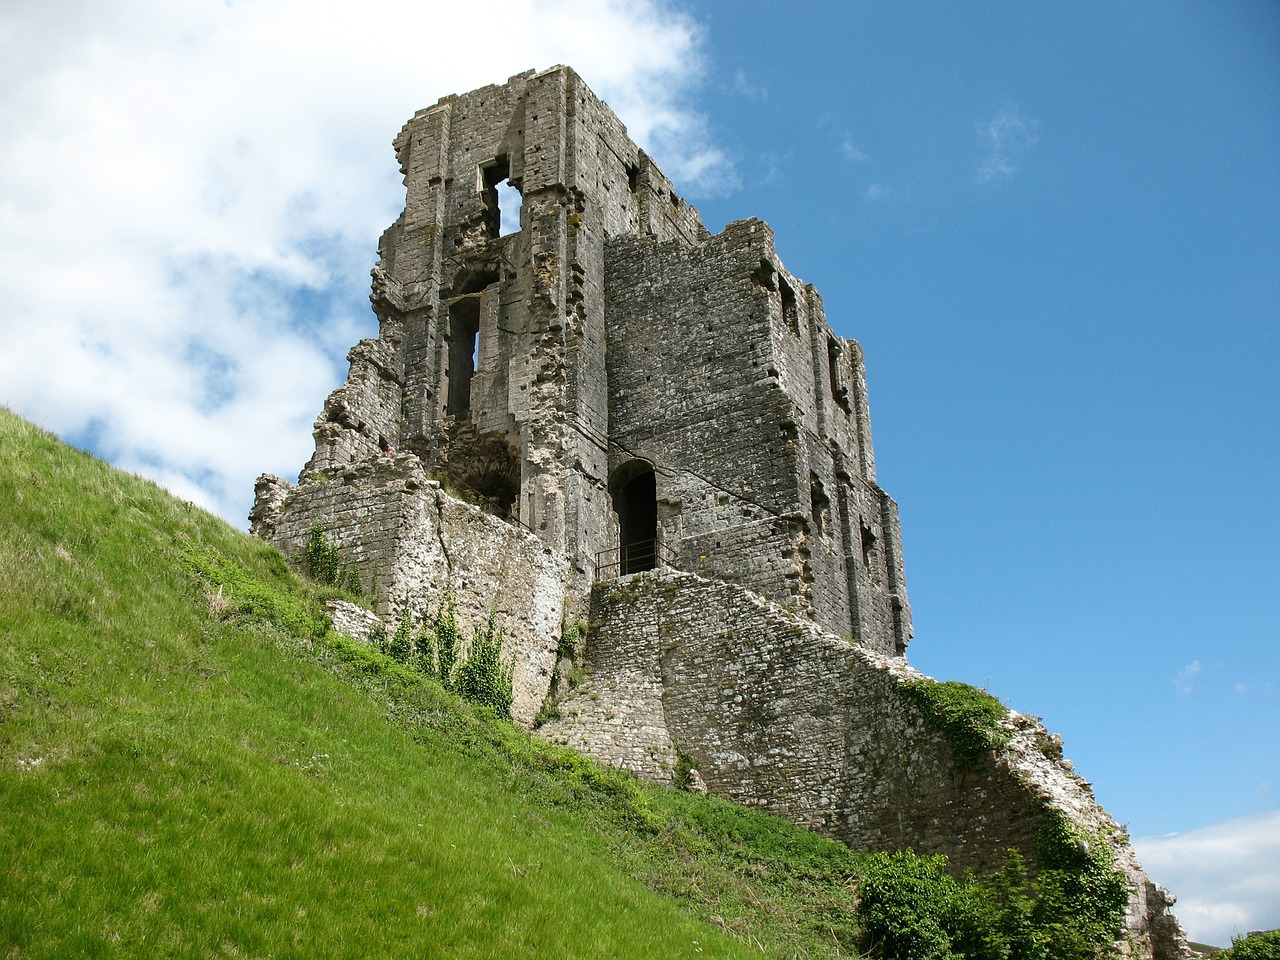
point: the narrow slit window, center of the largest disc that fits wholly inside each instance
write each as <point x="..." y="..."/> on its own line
<point x="839" y="389"/>
<point x="819" y="505"/>
<point x="789" y="315"/>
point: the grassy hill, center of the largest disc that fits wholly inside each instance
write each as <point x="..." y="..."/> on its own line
<point x="192" y="764"/>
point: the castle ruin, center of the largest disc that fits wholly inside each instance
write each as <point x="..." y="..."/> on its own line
<point x="668" y="440"/>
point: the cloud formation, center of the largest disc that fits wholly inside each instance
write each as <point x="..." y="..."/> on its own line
<point x="1184" y="681"/>
<point x="1226" y="876"/>
<point x="1004" y="140"/>
<point x="191" y="195"/>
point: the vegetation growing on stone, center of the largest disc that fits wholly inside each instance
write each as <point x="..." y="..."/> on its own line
<point x="1079" y="882"/>
<point x="969" y="717"/>
<point x="482" y="676"/>
<point x="322" y="563"/>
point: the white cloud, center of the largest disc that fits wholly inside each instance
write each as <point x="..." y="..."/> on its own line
<point x="191" y="195"/>
<point x="1184" y="679"/>
<point x="852" y="151"/>
<point x="745" y="88"/>
<point x="1005" y="140"/>
<point x="1226" y="875"/>
<point x="873" y="192"/>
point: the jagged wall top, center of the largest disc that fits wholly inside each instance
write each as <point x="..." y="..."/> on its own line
<point x="611" y="374"/>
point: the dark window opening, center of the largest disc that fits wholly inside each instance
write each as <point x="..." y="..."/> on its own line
<point x="789" y="315"/>
<point x="502" y="199"/>
<point x="839" y="390"/>
<point x="464" y="352"/>
<point x="633" y="178"/>
<point x="819" y="505"/>
<point x="868" y="545"/>
<point x="899" y="628"/>
<point x="487" y="469"/>
<point x="635" y="499"/>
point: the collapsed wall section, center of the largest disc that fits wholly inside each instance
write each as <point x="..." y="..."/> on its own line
<point x="412" y="546"/>
<point x="776" y="713"/>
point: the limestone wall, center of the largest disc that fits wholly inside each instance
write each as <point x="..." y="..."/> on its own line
<point x="610" y="326"/>
<point x="775" y="713"/>
<point x="724" y="375"/>
<point x="411" y="543"/>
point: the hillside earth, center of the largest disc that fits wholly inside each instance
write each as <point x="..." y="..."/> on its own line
<point x="192" y="763"/>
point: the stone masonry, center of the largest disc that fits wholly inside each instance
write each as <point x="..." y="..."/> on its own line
<point x="623" y="384"/>
<point x="622" y="395"/>
<point x="417" y="546"/>
<point x="774" y="712"/>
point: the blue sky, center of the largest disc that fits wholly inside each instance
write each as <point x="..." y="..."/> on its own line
<point x="1052" y="226"/>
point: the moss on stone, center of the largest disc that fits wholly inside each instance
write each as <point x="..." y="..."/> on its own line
<point x="968" y="717"/>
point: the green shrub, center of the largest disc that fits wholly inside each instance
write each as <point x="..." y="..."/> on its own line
<point x="1081" y="894"/>
<point x="320" y="559"/>
<point x="909" y="908"/>
<point x="401" y="646"/>
<point x="482" y="677"/>
<point x="439" y="643"/>
<point x="912" y="909"/>
<point x="1256" y="946"/>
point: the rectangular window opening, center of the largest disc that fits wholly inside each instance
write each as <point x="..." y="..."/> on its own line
<point x="464" y="352"/>
<point x="789" y="315"/>
<point x="502" y="198"/>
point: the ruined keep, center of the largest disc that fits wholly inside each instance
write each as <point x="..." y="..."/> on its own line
<point x="621" y="382"/>
<point x="670" y="442"/>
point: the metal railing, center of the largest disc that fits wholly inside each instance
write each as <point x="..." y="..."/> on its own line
<point x="634" y="558"/>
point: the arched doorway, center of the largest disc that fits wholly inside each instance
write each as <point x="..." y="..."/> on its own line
<point x="635" y="500"/>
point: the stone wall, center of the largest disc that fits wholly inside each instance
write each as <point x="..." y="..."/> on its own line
<point x="611" y="374"/>
<point x="775" y="713"/>
<point x="531" y="303"/>
<point x="611" y="329"/>
<point x="411" y="545"/>
<point x="724" y="375"/>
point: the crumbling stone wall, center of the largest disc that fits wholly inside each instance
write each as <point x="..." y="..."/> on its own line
<point x="412" y="545"/>
<point x="610" y="335"/>
<point x="498" y="342"/>
<point x="776" y="713"/>
<point x="724" y="374"/>
<point x="610" y="374"/>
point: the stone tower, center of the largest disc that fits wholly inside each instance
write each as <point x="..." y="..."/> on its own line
<point x="630" y="388"/>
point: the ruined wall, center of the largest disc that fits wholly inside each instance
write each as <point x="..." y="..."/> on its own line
<point x="611" y="327"/>
<point x="775" y="713"/>
<point x="411" y="544"/>
<point x="609" y="343"/>
<point x="724" y="374"/>
<point x="526" y="421"/>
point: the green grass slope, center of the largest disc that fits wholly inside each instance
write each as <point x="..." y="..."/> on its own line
<point x="183" y="773"/>
<point x="192" y="764"/>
